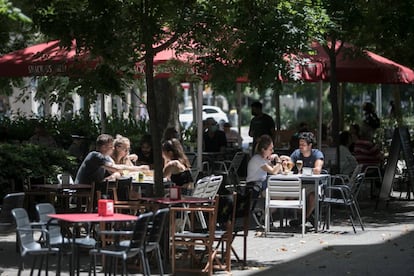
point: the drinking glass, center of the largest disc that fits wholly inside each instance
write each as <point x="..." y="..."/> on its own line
<point x="299" y="165"/>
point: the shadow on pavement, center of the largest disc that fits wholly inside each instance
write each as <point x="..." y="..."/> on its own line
<point x="392" y="257"/>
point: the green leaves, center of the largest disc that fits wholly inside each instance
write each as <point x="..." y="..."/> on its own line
<point x="7" y="9"/>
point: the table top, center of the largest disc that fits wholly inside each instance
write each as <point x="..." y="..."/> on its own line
<point x="183" y="200"/>
<point x="303" y="176"/>
<point x="61" y="186"/>
<point x="92" y="217"/>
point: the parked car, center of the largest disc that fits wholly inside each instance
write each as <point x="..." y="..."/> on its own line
<point x="209" y="111"/>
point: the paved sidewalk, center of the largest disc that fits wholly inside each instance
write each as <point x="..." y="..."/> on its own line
<point x="386" y="247"/>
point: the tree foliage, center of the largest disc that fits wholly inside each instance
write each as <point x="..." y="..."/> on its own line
<point x="248" y="37"/>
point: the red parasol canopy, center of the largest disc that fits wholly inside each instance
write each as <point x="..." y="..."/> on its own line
<point x="361" y="66"/>
<point x="45" y="59"/>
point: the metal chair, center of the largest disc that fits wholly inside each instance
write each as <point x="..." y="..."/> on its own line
<point x="136" y="246"/>
<point x="230" y="168"/>
<point x="156" y="229"/>
<point x="344" y="195"/>
<point x="284" y="193"/>
<point x="55" y="233"/>
<point x="28" y="245"/>
<point x="373" y="174"/>
<point x="10" y="201"/>
<point x="213" y="186"/>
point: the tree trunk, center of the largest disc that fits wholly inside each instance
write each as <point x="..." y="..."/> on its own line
<point x="333" y="93"/>
<point x="153" y="113"/>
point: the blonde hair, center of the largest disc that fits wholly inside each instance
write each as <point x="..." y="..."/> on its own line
<point x="119" y="142"/>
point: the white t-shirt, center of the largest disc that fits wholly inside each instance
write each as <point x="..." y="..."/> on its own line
<point x="254" y="169"/>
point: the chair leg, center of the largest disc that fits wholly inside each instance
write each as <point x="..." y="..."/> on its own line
<point x="351" y="214"/>
<point x="34" y="263"/>
<point x="144" y="264"/>
<point x="47" y="265"/>
<point x="124" y="267"/>
<point x="267" y="226"/>
<point x="358" y="212"/>
<point x="59" y="256"/>
<point x="160" y="264"/>
<point x="20" y="267"/>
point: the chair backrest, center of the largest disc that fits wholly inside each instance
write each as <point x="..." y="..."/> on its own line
<point x="138" y="238"/>
<point x="237" y="161"/>
<point x="25" y="237"/>
<point x="357" y="170"/>
<point x="284" y="188"/>
<point x="157" y="225"/>
<point x="213" y="186"/>
<point x="123" y="187"/>
<point x="33" y="180"/>
<point x="330" y="157"/>
<point x="200" y="186"/>
<point x="356" y="185"/>
<point x="43" y="210"/>
<point x="194" y="174"/>
<point x="243" y="209"/>
<point x="64" y="178"/>
<point x="226" y="215"/>
<point x="10" y="201"/>
<point x="192" y="158"/>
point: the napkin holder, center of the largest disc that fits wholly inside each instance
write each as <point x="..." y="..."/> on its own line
<point x="105" y="207"/>
<point x="175" y="193"/>
<point x="307" y="171"/>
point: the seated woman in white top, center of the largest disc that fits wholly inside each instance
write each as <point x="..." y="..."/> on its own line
<point x="262" y="163"/>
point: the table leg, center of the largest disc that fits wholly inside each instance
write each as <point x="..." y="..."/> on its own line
<point x="316" y="211"/>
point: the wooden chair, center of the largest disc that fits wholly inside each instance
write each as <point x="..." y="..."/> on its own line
<point x="122" y="198"/>
<point x="191" y="241"/>
<point x="223" y="236"/>
<point x="242" y="222"/>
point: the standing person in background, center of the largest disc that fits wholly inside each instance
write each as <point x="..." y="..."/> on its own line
<point x="370" y="122"/>
<point x="177" y="166"/>
<point x="354" y="130"/>
<point x="260" y="124"/>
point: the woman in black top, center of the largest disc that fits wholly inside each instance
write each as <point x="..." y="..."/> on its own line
<point x="176" y="165"/>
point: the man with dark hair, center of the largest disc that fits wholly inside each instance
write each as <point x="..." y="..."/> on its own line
<point x="260" y="124"/>
<point x="98" y="164"/>
<point x="311" y="158"/>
